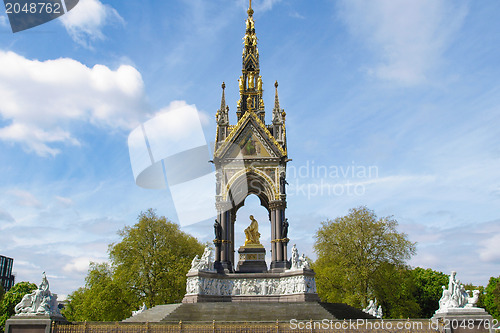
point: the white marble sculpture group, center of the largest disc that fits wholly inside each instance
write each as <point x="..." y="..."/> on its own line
<point x="40" y="302"/>
<point x="373" y="310"/>
<point x="141" y="310"/>
<point x="287" y="285"/>
<point x="298" y="262"/>
<point x="205" y="263"/>
<point x="455" y="296"/>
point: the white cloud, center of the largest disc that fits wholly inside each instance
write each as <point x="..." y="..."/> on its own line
<point x="65" y="202"/>
<point x="490" y="251"/>
<point x="25" y="198"/>
<point x="3" y="21"/>
<point x="80" y="264"/>
<point x="85" y="22"/>
<point x="263" y="5"/>
<point x="41" y="98"/>
<point x="410" y="37"/>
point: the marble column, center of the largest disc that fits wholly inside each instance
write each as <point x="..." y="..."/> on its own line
<point x="273" y="235"/>
<point x="217" y="244"/>
<point x="225" y="219"/>
<point x="279" y="244"/>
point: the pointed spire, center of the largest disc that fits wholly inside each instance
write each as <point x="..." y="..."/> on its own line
<point x="250" y="82"/>
<point x="222" y="113"/>
<point x="223" y="99"/>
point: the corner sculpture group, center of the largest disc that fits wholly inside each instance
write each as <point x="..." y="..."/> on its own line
<point x="455" y="296"/>
<point x="40" y="302"/>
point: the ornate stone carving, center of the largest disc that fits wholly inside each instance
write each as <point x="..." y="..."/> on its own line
<point x="141" y="310"/>
<point x="40" y="302"/>
<point x="250" y="286"/>
<point x="205" y="263"/>
<point x="455" y="296"/>
<point x="373" y="310"/>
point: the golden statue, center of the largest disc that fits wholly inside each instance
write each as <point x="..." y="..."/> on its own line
<point x="252" y="233"/>
<point x="249" y="103"/>
<point x="241" y="83"/>
<point x="259" y="83"/>
<point x="251" y="82"/>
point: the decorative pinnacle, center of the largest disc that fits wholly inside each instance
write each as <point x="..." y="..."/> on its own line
<point x="223" y="99"/>
<point x="250" y="10"/>
<point x="276" y="99"/>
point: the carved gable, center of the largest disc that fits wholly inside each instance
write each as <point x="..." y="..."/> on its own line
<point x="251" y="139"/>
<point x="250" y="144"/>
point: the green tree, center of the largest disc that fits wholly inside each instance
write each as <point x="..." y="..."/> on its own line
<point x="352" y="249"/>
<point x="148" y="265"/>
<point x="396" y="302"/>
<point x="102" y="298"/>
<point x="153" y="258"/>
<point x="12" y="298"/>
<point x="2" y="292"/>
<point x="492" y="298"/>
<point x="429" y="289"/>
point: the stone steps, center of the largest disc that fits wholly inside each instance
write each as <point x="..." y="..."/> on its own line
<point x="248" y="311"/>
<point x="155" y="314"/>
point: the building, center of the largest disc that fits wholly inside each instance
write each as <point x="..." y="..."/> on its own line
<point x="6" y="277"/>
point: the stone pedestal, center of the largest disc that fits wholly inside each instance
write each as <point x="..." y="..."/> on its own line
<point x="32" y="324"/>
<point x="290" y="286"/>
<point x="252" y="259"/>
<point x="468" y="319"/>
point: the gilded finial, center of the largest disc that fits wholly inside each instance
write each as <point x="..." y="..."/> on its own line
<point x="276" y="84"/>
<point x="250" y="10"/>
<point x="223" y="85"/>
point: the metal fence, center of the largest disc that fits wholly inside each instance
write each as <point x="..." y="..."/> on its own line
<point x="346" y="326"/>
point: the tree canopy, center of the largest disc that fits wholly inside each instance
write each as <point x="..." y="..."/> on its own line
<point x="12" y="298"/>
<point x="149" y="265"/>
<point x="102" y="298"/>
<point x="355" y="253"/>
<point x="2" y="292"/>
<point x="429" y="290"/>
<point x="492" y="297"/>
<point x="153" y="259"/>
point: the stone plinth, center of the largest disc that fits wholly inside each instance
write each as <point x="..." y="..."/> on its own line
<point x="32" y="324"/>
<point x="468" y="319"/>
<point x="289" y="286"/>
<point x="252" y="259"/>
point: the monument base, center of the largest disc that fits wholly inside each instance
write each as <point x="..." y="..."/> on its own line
<point x="289" y="286"/>
<point x="468" y="319"/>
<point x="32" y="323"/>
<point x="252" y="259"/>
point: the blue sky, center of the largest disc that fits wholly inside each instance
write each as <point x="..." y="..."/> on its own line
<point x="404" y="93"/>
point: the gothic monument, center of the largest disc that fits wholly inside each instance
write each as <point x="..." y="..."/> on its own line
<point x="250" y="158"/>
